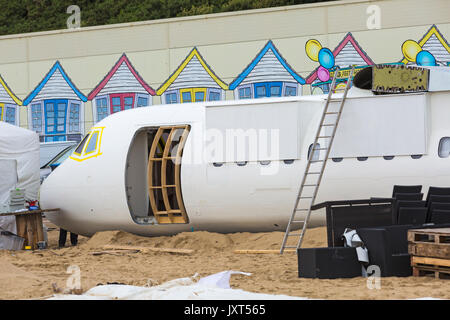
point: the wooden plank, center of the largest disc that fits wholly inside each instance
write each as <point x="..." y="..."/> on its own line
<point x="164" y="173"/>
<point x="438" y="235"/>
<point x="439" y="273"/>
<point x="431" y="250"/>
<point x="113" y="252"/>
<point x="30" y="233"/>
<point x="40" y="228"/>
<point x="178" y="174"/>
<point x="432" y="230"/>
<point x="22" y="228"/>
<point x="430" y="261"/>
<point x="20" y="213"/>
<point x="146" y="249"/>
<point x="263" y="251"/>
<point x="151" y="155"/>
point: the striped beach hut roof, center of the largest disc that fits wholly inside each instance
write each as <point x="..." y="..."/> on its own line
<point x="193" y="72"/>
<point x="434" y="42"/>
<point x="55" y="85"/>
<point x="268" y="65"/>
<point x="346" y="54"/>
<point x="123" y="77"/>
<point x="6" y="94"/>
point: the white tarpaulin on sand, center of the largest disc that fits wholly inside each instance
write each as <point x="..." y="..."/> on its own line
<point x="22" y="146"/>
<point x="213" y="287"/>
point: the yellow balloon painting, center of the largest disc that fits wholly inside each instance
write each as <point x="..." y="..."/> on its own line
<point x="410" y="50"/>
<point x="312" y="49"/>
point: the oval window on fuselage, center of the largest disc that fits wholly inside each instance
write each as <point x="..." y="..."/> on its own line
<point x="444" y="147"/>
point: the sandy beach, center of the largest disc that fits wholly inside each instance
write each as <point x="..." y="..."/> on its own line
<point x="36" y="274"/>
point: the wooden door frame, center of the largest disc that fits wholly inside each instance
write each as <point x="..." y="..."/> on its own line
<point x="168" y="215"/>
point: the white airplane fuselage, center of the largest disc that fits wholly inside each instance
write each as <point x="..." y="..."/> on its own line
<point x="92" y="192"/>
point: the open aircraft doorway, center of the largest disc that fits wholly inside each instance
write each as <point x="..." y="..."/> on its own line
<point x="156" y="197"/>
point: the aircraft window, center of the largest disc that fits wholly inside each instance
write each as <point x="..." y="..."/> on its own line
<point x="164" y="174"/>
<point x="81" y="145"/>
<point x="265" y="162"/>
<point x="218" y="164"/>
<point x="92" y="144"/>
<point x="289" y="161"/>
<point x="316" y="152"/>
<point x="388" y="157"/>
<point x="361" y="158"/>
<point x="337" y="159"/>
<point x="416" y="156"/>
<point x="241" y="163"/>
<point x="444" y="147"/>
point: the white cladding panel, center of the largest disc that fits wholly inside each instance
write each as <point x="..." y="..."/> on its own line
<point x="56" y="88"/>
<point x="123" y="81"/>
<point x="269" y="68"/>
<point x="5" y="97"/>
<point x="267" y="131"/>
<point x="382" y="126"/>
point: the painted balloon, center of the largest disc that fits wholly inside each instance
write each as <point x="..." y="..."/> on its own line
<point x="323" y="74"/>
<point x="410" y="50"/>
<point x="326" y="58"/>
<point x="312" y="49"/>
<point x="425" y="58"/>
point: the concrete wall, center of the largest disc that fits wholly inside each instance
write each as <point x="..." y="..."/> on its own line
<point x="228" y="42"/>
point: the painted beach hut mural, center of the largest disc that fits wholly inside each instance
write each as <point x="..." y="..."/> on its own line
<point x="121" y="89"/>
<point x="192" y="81"/>
<point x="268" y="75"/>
<point x="431" y="50"/>
<point x="56" y="107"/>
<point x="9" y="104"/>
<point x="347" y="54"/>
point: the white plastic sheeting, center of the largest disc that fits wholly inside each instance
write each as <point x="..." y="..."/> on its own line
<point x="21" y="145"/>
<point x="8" y="174"/>
<point x="213" y="287"/>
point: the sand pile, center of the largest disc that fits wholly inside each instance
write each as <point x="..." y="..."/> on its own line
<point x="203" y="241"/>
<point x="26" y="274"/>
<point x="17" y="278"/>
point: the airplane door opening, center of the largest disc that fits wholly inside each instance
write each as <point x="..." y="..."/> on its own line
<point x="163" y="174"/>
<point x="153" y="175"/>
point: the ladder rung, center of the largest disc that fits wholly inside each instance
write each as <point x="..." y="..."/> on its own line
<point x="317" y="161"/>
<point x="331" y="112"/>
<point x="313" y="173"/>
<point x="298" y="221"/>
<point x="301" y="209"/>
<point x="328" y="124"/>
<point x="310" y="185"/>
<point x="294" y="234"/>
<point x="305" y="197"/>
<point x="323" y="137"/>
<point x="290" y="247"/>
<point x="320" y="149"/>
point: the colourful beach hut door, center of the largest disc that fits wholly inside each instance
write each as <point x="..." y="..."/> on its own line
<point x="55" y="120"/>
<point x="121" y="101"/>
<point x="268" y="89"/>
<point x="193" y="95"/>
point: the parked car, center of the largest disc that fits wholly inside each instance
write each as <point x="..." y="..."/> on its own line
<point x="49" y="150"/>
<point x="47" y="168"/>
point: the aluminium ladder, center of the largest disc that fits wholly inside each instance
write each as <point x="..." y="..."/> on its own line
<point x="325" y="122"/>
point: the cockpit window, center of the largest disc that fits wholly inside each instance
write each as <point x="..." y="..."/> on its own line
<point x="92" y="143"/>
<point x="80" y="147"/>
<point x="90" y="146"/>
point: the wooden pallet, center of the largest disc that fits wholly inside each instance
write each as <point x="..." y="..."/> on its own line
<point x="430" y="252"/>
<point x="423" y="266"/>
<point x="432" y="243"/>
